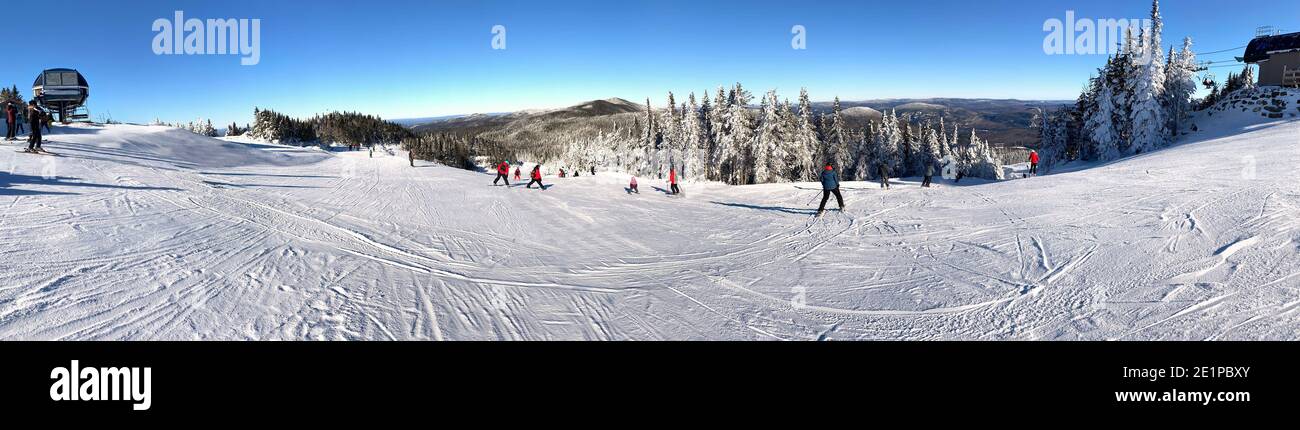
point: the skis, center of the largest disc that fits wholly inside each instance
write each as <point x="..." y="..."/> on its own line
<point x="37" y="152"/>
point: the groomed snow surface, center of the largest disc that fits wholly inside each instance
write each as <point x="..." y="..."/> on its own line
<point x="137" y="232"/>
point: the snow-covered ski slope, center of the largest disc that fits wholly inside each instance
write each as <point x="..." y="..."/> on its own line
<point x="154" y="233"/>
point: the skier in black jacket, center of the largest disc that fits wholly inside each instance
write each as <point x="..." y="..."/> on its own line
<point x="884" y="176"/>
<point x="35" y="115"/>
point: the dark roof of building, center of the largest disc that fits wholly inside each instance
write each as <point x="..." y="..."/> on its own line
<point x="1260" y="48"/>
<point x="40" y="80"/>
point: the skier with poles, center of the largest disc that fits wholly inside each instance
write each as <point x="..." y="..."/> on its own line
<point x="503" y="171"/>
<point x="830" y="185"/>
<point x="1033" y="163"/>
<point x="884" y="175"/>
<point x="537" y="178"/>
<point x="672" y="182"/>
<point x="929" y="175"/>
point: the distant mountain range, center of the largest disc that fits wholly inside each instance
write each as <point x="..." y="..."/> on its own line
<point x="1003" y="122"/>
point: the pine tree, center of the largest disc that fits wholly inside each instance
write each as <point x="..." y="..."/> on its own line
<point x="1180" y="85"/>
<point x="1149" y="126"/>
<point x="643" y="153"/>
<point x="805" y="143"/>
<point x="667" y="154"/>
<point x="1101" y="125"/>
<point x="734" y="143"/>
<point x="693" y="136"/>
<point x="769" y="145"/>
<point x="836" y="145"/>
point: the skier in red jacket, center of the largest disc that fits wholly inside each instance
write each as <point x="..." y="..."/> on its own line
<point x="503" y="172"/>
<point x="517" y="173"/>
<point x="672" y="182"/>
<point x="537" y="178"/>
<point x="1033" y="162"/>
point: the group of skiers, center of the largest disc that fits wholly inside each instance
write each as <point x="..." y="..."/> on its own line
<point x="503" y="173"/>
<point x="34" y="117"/>
<point x="829" y="179"/>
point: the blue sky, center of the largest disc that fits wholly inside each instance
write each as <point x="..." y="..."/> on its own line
<point x="402" y="59"/>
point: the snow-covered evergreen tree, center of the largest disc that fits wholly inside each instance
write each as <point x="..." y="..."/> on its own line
<point x="1149" y="126"/>
<point x="928" y="153"/>
<point x="642" y="154"/>
<point x="734" y="146"/>
<point x="888" y="147"/>
<point x="805" y="143"/>
<point x="982" y="164"/>
<point x="1180" y="85"/>
<point x="769" y="149"/>
<point x="693" y="136"/>
<point x="1100" y="124"/>
<point x="836" y="143"/>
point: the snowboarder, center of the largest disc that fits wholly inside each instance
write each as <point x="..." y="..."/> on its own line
<point x="561" y="173"/>
<point x="517" y="173"/>
<point x="35" y="115"/>
<point x="672" y="182"/>
<point x="830" y="185"/>
<point x="577" y="173"/>
<point x="929" y="175"/>
<point x="503" y="172"/>
<point x="11" y="120"/>
<point x="1033" y="162"/>
<point x="883" y="170"/>
<point x="537" y="178"/>
<point x="632" y="187"/>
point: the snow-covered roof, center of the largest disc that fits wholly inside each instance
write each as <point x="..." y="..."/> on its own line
<point x="1261" y="48"/>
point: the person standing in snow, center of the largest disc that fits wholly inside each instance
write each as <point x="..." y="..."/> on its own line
<point x="883" y="170"/>
<point x="517" y="173"/>
<point x="1033" y="162"/>
<point x="672" y="182"/>
<point x="35" y="115"/>
<point x="929" y="175"/>
<point x="410" y="156"/>
<point x="593" y="170"/>
<point x="830" y="185"/>
<point x="503" y="172"/>
<point x="537" y="178"/>
<point x="11" y="120"/>
<point x="632" y="187"/>
<point x="22" y="117"/>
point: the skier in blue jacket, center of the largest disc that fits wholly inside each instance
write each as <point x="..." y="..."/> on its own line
<point x="830" y="185"/>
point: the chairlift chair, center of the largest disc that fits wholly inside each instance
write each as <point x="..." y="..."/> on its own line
<point x="61" y="91"/>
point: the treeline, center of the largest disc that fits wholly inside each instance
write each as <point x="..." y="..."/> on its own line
<point x="345" y="128"/>
<point x="1136" y="103"/>
<point x="456" y="150"/>
<point x="725" y="139"/>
